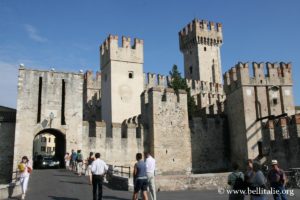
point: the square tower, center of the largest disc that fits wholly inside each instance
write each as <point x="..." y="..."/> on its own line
<point x="200" y="43"/>
<point x="121" y="78"/>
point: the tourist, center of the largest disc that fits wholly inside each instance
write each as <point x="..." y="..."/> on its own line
<point x="236" y="181"/>
<point x="25" y="169"/>
<point x="150" y="169"/>
<point x="277" y="180"/>
<point x="249" y="174"/>
<point x="73" y="160"/>
<point x="89" y="162"/>
<point x="99" y="169"/>
<point x="140" y="178"/>
<point x="67" y="161"/>
<point x="257" y="183"/>
<point x="79" y="161"/>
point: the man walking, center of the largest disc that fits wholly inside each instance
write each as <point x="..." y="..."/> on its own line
<point x="73" y="160"/>
<point x="150" y="168"/>
<point x="99" y="169"/>
<point x="277" y="181"/>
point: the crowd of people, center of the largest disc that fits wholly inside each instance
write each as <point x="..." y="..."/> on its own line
<point x="252" y="182"/>
<point x="255" y="183"/>
<point x="96" y="169"/>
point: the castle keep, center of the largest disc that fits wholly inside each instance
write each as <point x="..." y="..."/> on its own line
<point x="121" y="110"/>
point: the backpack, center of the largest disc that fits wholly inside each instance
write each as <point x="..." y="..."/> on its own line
<point x="79" y="157"/>
<point x="239" y="183"/>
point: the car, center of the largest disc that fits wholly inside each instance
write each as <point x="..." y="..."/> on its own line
<point x="45" y="162"/>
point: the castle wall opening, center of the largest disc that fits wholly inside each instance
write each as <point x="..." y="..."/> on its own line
<point x="49" y="142"/>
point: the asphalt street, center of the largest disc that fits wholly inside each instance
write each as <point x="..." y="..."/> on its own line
<point x="60" y="184"/>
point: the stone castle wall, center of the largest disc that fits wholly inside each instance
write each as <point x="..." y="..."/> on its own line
<point x="251" y="98"/>
<point x="92" y="96"/>
<point x="204" y="93"/>
<point x="7" y="131"/>
<point x="281" y="141"/>
<point x="210" y="144"/>
<point x="41" y="93"/>
<point x="119" y="148"/>
<point x="165" y="116"/>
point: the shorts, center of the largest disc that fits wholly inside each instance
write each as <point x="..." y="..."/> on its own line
<point x="140" y="184"/>
<point x="89" y="170"/>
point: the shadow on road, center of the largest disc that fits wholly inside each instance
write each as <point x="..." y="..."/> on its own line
<point x="113" y="198"/>
<point x="74" y="182"/>
<point x="62" y="198"/>
<point x="63" y="175"/>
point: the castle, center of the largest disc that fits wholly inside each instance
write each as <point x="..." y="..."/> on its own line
<point x="122" y="110"/>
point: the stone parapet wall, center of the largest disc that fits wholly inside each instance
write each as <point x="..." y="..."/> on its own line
<point x="192" y="182"/>
<point x="281" y="141"/>
<point x="117" y="147"/>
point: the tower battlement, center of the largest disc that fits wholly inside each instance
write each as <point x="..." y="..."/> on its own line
<point x="283" y="128"/>
<point x="91" y="80"/>
<point x="127" y="52"/>
<point x="276" y="74"/>
<point x="200" y="32"/>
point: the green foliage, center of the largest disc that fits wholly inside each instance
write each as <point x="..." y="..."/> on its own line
<point x="179" y="83"/>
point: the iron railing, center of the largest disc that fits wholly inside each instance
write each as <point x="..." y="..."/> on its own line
<point x="120" y="170"/>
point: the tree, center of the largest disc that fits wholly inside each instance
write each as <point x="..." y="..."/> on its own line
<point x="179" y="83"/>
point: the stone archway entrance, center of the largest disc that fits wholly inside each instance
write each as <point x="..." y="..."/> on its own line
<point x="60" y="144"/>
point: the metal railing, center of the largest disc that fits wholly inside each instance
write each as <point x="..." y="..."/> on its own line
<point x="120" y="170"/>
<point x="293" y="177"/>
<point x="15" y="176"/>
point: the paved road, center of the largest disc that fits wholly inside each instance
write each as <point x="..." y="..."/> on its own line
<point x="59" y="184"/>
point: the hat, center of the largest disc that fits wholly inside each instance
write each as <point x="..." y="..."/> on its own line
<point x="274" y="162"/>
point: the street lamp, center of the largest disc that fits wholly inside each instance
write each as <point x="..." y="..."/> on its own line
<point x="51" y="116"/>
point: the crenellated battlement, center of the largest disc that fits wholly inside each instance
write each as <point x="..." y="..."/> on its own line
<point x="264" y="74"/>
<point x="283" y="128"/>
<point x="163" y="95"/>
<point x="198" y="86"/>
<point x="205" y="93"/>
<point x="200" y="32"/>
<point x="156" y="80"/>
<point x="127" y="52"/>
<point x="92" y="81"/>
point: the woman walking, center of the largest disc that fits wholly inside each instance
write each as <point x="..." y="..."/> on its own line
<point x="25" y="169"/>
<point x="67" y="161"/>
<point x="90" y="160"/>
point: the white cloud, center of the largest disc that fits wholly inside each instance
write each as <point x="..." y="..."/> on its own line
<point x="33" y="34"/>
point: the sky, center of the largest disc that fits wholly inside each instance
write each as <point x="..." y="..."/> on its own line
<point x="66" y="35"/>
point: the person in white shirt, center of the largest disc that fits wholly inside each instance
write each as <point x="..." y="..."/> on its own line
<point x="150" y="169"/>
<point x="99" y="169"/>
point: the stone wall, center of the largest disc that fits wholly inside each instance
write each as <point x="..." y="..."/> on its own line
<point x="7" y="136"/>
<point x="210" y="144"/>
<point x="119" y="148"/>
<point x="165" y="116"/>
<point x="192" y="182"/>
<point x="7" y="131"/>
<point x="92" y="96"/>
<point x="281" y="141"/>
<point x="251" y="98"/>
<point x="52" y="101"/>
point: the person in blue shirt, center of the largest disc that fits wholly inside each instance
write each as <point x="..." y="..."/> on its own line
<point x="140" y="178"/>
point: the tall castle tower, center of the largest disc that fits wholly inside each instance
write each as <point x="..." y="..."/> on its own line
<point x="252" y="99"/>
<point x="200" y="43"/>
<point x="121" y="79"/>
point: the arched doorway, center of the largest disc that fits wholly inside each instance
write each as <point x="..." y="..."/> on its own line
<point x="56" y="147"/>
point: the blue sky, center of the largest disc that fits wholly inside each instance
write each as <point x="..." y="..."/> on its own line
<point x="66" y="34"/>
